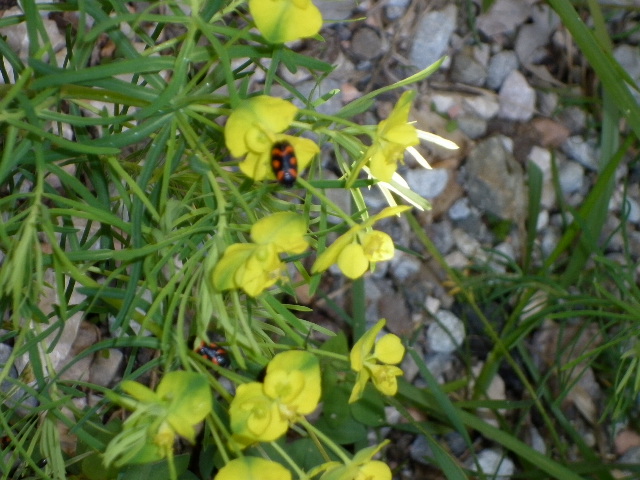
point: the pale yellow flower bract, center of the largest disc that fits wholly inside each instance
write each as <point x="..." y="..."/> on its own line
<point x="282" y="21"/>
<point x="253" y="468"/>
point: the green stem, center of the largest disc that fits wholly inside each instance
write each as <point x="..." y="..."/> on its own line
<point x="326" y="440"/>
<point x="299" y="472"/>
<point x="325" y="200"/>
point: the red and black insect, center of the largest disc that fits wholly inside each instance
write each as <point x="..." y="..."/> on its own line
<point x="214" y="353"/>
<point x="284" y="163"/>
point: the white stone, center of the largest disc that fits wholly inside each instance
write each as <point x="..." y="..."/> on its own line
<point x="446" y="334"/>
<point x="517" y="98"/>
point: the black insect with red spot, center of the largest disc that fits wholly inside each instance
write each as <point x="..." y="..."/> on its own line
<point x="284" y="163"/>
<point x="214" y="353"/>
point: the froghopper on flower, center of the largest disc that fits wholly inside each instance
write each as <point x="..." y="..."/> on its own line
<point x="361" y="467"/>
<point x="379" y="365"/>
<point x="262" y="412"/>
<point x="255" y="125"/>
<point x="357" y="249"/>
<point x="254" y="267"/>
<point x="253" y="468"/>
<point x="282" y="21"/>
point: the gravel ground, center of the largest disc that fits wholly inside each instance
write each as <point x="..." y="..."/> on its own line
<point x="507" y="87"/>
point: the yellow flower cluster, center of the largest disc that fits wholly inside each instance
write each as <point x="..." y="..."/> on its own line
<point x="262" y="411"/>
<point x="379" y="365"/>
<point x="255" y="266"/>
<point x="356" y="250"/>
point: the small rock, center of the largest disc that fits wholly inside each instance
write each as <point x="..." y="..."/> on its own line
<point x="420" y="451"/>
<point x="517" y="98"/>
<point x="446" y="103"/>
<point x="551" y="133"/>
<point x="631" y="210"/>
<point x="581" y="151"/>
<point x="541" y="157"/>
<point x="503" y="255"/>
<point x="105" y="367"/>
<point x="394" y="9"/>
<point x="335" y="10"/>
<point x="441" y="234"/>
<point x="493" y="464"/>
<point x="496" y="180"/>
<point x="625" y="440"/>
<point x="500" y="66"/>
<point x="393" y="307"/>
<point x="366" y="44"/>
<point x="503" y="17"/>
<point x="432" y="304"/>
<point x="530" y="44"/>
<point x="543" y="220"/>
<point x="432" y="36"/>
<point x="536" y="441"/>
<point x="468" y="245"/>
<point x="574" y="118"/>
<point x="467" y="70"/>
<point x="472" y="127"/>
<point x="403" y="266"/>
<point x="460" y="209"/>
<point x="446" y="334"/>
<point x="629" y="59"/>
<point x="484" y="106"/>
<point x="571" y="177"/>
<point x="427" y="183"/>
<point x="547" y="103"/>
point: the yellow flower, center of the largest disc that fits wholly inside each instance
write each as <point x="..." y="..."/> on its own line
<point x="261" y="412"/>
<point x="181" y="401"/>
<point x="379" y="365"/>
<point x="281" y="21"/>
<point x="360" y="468"/>
<point x="255" y="417"/>
<point x="254" y="267"/>
<point x="355" y="250"/>
<point x="393" y="136"/>
<point x="253" y="468"/>
<point x="294" y="379"/>
<point x="255" y="125"/>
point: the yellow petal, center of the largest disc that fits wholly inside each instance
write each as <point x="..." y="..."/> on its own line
<point x="294" y="378"/>
<point x="374" y="470"/>
<point x="305" y="150"/>
<point x="224" y="273"/>
<point x="254" y="417"/>
<point x="261" y="270"/>
<point x="253" y="468"/>
<point x="257" y="165"/>
<point x="381" y="167"/>
<point x="353" y="261"/>
<point x="358" y="387"/>
<point x="254" y="122"/>
<point x="281" y="21"/>
<point x="377" y="246"/>
<point x="364" y="345"/>
<point x="384" y="378"/>
<point x="285" y="230"/>
<point x="404" y="135"/>
<point x="389" y="349"/>
<point x="330" y="255"/>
